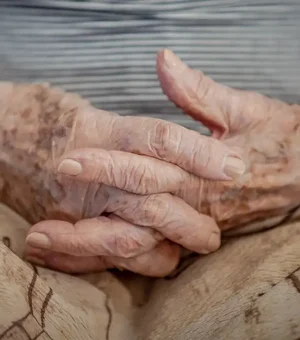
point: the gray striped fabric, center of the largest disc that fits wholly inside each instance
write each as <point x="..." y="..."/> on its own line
<point x="105" y="50"/>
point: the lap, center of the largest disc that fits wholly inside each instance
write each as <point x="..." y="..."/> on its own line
<point x="249" y="289"/>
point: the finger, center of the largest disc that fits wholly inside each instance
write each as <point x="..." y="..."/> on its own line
<point x="158" y="262"/>
<point x="130" y="172"/>
<point x="220" y="108"/>
<point x="109" y="236"/>
<point x="200" y="155"/>
<point x="66" y="263"/>
<point x="169" y="215"/>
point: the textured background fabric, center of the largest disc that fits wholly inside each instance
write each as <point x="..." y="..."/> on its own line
<point x="105" y="50"/>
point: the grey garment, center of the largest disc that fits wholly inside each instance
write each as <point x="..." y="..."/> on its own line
<point x="105" y="50"/>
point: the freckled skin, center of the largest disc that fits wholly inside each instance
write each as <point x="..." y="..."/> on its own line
<point x="37" y="126"/>
<point x="39" y="123"/>
<point x="264" y="130"/>
<point x="269" y="188"/>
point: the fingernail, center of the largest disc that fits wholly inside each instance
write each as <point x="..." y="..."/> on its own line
<point x="38" y="240"/>
<point x="70" y="167"/>
<point x="36" y="260"/>
<point x="234" y="167"/>
<point x="214" y="242"/>
<point x="171" y="60"/>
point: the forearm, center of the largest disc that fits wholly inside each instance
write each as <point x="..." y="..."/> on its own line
<point x="36" y="121"/>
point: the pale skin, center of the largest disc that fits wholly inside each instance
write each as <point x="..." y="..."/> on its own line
<point x="147" y="176"/>
<point x="123" y="212"/>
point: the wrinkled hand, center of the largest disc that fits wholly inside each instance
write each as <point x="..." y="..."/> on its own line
<point x="265" y="131"/>
<point x="123" y="206"/>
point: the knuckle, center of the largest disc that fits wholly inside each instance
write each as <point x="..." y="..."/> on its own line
<point x="203" y="153"/>
<point x="110" y="171"/>
<point x="75" y="247"/>
<point x="157" y="209"/>
<point x="140" y="180"/>
<point x="98" y="168"/>
<point x="116" y="175"/>
<point x="159" y="139"/>
<point x="75" y="243"/>
<point x="102" y="167"/>
<point x="127" y="246"/>
<point x="130" y="176"/>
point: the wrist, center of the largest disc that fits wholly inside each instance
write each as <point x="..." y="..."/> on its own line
<point x="37" y="124"/>
<point x="35" y="117"/>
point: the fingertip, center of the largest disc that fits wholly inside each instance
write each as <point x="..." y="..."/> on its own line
<point x="169" y="59"/>
<point x="70" y="167"/>
<point x="214" y="242"/>
<point x="233" y="167"/>
<point x="160" y="69"/>
<point x="160" y="56"/>
<point x="38" y="240"/>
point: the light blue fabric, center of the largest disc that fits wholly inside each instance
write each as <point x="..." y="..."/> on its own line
<point x="105" y="50"/>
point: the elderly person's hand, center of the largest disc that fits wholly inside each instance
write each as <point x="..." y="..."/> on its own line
<point x="267" y="133"/>
<point x="265" y="130"/>
<point x="112" y="194"/>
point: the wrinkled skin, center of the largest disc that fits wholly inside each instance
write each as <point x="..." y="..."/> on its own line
<point x="265" y="131"/>
<point x="137" y="162"/>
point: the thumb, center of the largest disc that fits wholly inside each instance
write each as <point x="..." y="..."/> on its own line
<point x="218" y="107"/>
